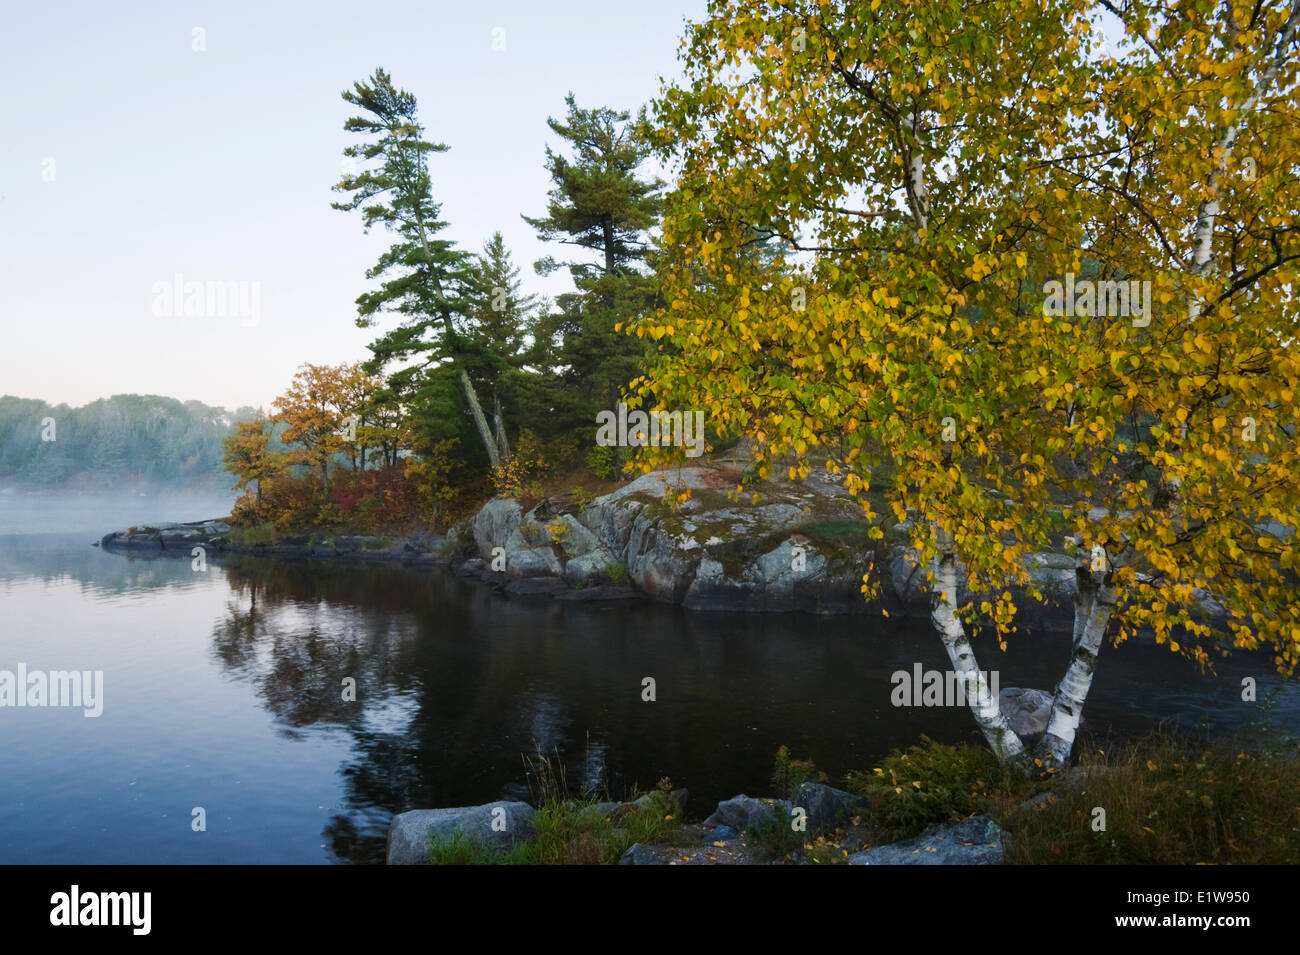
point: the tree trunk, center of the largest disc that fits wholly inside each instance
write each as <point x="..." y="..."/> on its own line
<point x="499" y="423"/>
<point x="494" y="455"/>
<point x="361" y="423"/>
<point x="1093" y="607"/>
<point x="987" y="711"/>
<point x="1208" y="211"/>
<point x="476" y="409"/>
<point x="607" y="224"/>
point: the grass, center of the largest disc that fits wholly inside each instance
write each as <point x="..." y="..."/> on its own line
<point x="1167" y="800"/>
<point x="253" y="534"/>
<point x="781" y="841"/>
<point x="570" y="831"/>
<point x="462" y="850"/>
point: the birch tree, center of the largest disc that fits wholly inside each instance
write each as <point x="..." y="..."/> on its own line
<point x="1194" y="493"/>
<point x="930" y="171"/>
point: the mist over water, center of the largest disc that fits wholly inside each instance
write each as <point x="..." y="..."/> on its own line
<point x="55" y="512"/>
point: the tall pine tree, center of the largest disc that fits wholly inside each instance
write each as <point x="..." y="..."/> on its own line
<point x="501" y="326"/>
<point x="425" y="276"/>
<point x="600" y="204"/>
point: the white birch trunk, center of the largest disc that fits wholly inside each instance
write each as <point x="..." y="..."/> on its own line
<point x="1094" y="605"/>
<point x="1203" y="235"/>
<point x="985" y="707"/>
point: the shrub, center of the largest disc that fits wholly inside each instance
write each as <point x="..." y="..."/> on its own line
<point x="602" y="462"/>
<point x="581" y="497"/>
<point x="523" y="474"/>
<point x="789" y="774"/>
<point x="930" y="783"/>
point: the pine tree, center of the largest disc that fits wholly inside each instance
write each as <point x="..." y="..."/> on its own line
<point x="427" y="274"/>
<point x="600" y="204"/>
<point x="501" y="324"/>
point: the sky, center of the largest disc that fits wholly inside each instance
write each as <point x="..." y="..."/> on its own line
<point x="143" y="141"/>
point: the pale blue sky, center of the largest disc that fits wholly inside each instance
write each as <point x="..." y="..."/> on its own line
<point x="218" y="165"/>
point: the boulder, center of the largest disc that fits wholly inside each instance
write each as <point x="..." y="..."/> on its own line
<point x="410" y="834"/>
<point x="741" y="812"/>
<point x="657" y="484"/>
<point x="574" y="539"/>
<point x="659" y="562"/>
<point x="826" y="805"/>
<point x="713" y="589"/>
<point x="720" y="834"/>
<point x="674" y="802"/>
<point x="603" y="810"/>
<point x="533" y="562"/>
<point x="494" y="524"/>
<point x="610" y="521"/>
<point x="776" y="570"/>
<point x="638" y="854"/>
<point x="1026" y="710"/>
<point x="591" y="568"/>
<point x="975" y="841"/>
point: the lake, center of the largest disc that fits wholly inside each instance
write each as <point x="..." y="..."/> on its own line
<point x="223" y="689"/>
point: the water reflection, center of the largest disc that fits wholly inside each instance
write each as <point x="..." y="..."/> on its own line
<point x="454" y="683"/>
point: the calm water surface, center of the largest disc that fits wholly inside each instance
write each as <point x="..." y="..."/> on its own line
<point x="223" y="690"/>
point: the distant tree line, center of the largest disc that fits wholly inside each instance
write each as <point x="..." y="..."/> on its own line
<point x="117" y="443"/>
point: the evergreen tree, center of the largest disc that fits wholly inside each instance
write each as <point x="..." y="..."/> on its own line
<point x="502" y="325"/>
<point x="426" y="276"/>
<point x="600" y="204"/>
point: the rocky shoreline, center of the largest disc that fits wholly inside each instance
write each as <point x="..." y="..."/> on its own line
<point x="733" y="834"/>
<point x="802" y="548"/>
